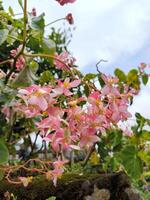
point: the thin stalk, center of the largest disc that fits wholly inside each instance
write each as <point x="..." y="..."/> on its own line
<point x="57" y="20"/>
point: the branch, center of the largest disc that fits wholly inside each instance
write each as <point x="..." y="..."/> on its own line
<point x="99" y="62"/>
<point x="23" y="43"/>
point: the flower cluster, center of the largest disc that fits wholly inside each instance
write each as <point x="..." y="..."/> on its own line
<point x="73" y="127"/>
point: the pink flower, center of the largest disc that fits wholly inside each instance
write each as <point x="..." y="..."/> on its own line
<point x="20" y="61"/>
<point x="63" y="87"/>
<point x="59" y="163"/>
<point x="37" y="96"/>
<point x="54" y="175"/>
<point x="66" y="58"/>
<point x="88" y="137"/>
<point x="63" y="2"/>
<point x="48" y="124"/>
<point x="127" y="132"/>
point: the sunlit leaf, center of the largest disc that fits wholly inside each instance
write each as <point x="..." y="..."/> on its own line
<point x="131" y="161"/>
<point x="3" y="35"/>
<point x="120" y="74"/>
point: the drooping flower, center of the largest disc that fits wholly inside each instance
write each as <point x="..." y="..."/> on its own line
<point x="66" y="59"/>
<point x="33" y="13"/>
<point x="63" y="2"/>
<point x="70" y="19"/>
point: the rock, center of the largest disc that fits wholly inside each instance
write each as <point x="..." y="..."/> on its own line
<point x="132" y="194"/>
<point x="99" y="194"/>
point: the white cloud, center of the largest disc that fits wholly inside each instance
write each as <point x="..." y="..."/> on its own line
<point x="110" y="29"/>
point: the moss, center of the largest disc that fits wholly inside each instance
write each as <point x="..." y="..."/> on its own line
<point x="69" y="187"/>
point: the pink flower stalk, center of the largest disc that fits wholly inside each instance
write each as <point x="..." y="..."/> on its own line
<point x="20" y="61"/>
<point x="63" y="2"/>
<point x="66" y="58"/>
<point x="63" y="87"/>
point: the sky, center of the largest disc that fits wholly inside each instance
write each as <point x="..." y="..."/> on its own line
<point x="114" y="30"/>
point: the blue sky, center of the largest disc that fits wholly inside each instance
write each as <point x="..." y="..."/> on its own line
<point x="114" y="30"/>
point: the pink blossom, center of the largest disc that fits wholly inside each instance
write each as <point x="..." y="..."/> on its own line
<point x="59" y="163"/>
<point x="54" y="175"/>
<point x="63" y="87"/>
<point x="37" y="96"/>
<point x="127" y="132"/>
<point x="48" y="124"/>
<point x="63" y="2"/>
<point x="66" y="59"/>
<point x="20" y="61"/>
<point x="88" y="137"/>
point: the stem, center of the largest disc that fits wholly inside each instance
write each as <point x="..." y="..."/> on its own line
<point x="46" y="56"/>
<point x="88" y="155"/>
<point x="23" y="43"/>
<point x="10" y="36"/>
<point x="57" y="20"/>
<point x="97" y="65"/>
<point x="5" y="61"/>
<point x="25" y="22"/>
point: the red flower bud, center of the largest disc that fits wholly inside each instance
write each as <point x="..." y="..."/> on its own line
<point x="69" y="18"/>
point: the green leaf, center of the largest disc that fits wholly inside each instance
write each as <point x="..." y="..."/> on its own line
<point x="145" y="79"/>
<point x="11" y="11"/>
<point x="51" y="198"/>
<point x="48" y="46"/>
<point x="89" y="76"/>
<point x="3" y="35"/>
<point x="86" y="90"/>
<point x="34" y="66"/>
<point x="120" y="74"/>
<point x="4" y="155"/>
<point x="145" y="135"/>
<point x="115" y="137"/>
<point x="25" y="78"/>
<point x="20" y="3"/>
<point x="100" y="79"/>
<point x="46" y="77"/>
<point x="144" y="156"/>
<point x="133" y="79"/>
<point x="131" y="161"/>
<point x="38" y="23"/>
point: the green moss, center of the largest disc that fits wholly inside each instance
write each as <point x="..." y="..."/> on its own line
<point x="69" y="187"/>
